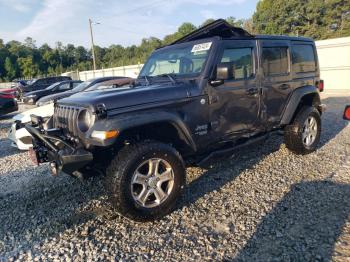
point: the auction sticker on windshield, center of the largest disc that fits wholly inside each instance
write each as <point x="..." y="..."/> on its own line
<point x="201" y="47"/>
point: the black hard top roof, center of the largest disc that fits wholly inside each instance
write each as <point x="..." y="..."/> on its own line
<point x="224" y="30"/>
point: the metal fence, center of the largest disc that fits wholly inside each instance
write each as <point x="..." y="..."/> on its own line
<point x="334" y="58"/>
<point x="129" y="71"/>
<point x="5" y="85"/>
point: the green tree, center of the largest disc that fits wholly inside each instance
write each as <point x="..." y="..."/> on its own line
<point x="10" y="69"/>
<point x="208" y="21"/>
<point x="233" y="21"/>
<point x="314" y="18"/>
<point x="28" y="68"/>
<point x="183" y="30"/>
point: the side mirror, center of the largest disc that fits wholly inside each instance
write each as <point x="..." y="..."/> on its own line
<point x="223" y="72"/>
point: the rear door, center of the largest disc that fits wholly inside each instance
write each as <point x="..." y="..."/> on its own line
<point x="235" y="106"/>
<point x="275" y="58"/>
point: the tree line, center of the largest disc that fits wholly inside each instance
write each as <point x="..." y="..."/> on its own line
<point x="319" y="19"/>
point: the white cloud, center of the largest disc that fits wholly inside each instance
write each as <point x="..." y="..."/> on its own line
<point x="22" y="6"/>
<point x="208" y="14"/>
<point x="121" y="21"/>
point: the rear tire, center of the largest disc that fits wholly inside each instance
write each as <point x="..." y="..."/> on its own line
<point x="145" y="180"/>
<point x="303" y="134"/>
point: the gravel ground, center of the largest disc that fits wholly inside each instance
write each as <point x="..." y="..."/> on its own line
<point x="264" y="203"/>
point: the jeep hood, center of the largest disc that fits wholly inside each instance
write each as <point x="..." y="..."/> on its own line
<point x="43" y="111"/>
<point x="130" y="96"/>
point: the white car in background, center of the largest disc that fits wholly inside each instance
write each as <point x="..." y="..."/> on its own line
<point x="18" y="134"/>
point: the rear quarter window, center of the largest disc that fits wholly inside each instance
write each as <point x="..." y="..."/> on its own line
<point x="303" y="58"/>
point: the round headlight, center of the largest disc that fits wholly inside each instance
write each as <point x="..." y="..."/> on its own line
<point x="85" y="120"/>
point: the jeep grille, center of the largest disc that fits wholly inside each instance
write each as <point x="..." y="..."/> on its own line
<point x="66" y="117"/>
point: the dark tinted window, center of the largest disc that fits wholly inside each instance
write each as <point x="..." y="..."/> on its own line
<point x="303" y="58"/>
<point x="41" y="82"/>
<point x="76" y="84"/>
<point x="64" y="86"/>
<point x="275" y="60"/>
<point x="51" y="80"/>
<point x="241" y="60"/>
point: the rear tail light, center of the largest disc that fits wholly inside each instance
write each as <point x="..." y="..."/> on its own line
<point x="320" y="86"/>
<point x="347" y="113"/>
<point x="7" y="95"/>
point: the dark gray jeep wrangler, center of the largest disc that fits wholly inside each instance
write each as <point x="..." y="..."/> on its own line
<point x="204" y="96"/>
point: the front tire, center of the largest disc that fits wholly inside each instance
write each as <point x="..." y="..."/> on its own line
<point x="303" y="135"/>
<point x="145" y="180"/>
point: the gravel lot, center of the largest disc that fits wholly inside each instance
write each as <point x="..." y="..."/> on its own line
<point x="263" y="204"/>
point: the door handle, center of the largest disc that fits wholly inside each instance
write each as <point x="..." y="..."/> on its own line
<point x="284" y="87"/>
<point x="252" y="91"/>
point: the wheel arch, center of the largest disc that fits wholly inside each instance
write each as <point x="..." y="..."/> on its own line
<point x="164" y="127"/>
<point x="303" y="96"/>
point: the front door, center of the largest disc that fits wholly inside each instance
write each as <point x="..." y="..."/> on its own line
<point x="235" y="103"/>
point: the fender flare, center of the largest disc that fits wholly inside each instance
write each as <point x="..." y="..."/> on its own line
<point x="294" y="102"/>
<point x="137" y="119"/>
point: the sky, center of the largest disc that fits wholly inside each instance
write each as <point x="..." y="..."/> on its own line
<point x="121" y="22"/>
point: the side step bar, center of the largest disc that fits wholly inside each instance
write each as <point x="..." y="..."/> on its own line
<point x="227" y="151"/>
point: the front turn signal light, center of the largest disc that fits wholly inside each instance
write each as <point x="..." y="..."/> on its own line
<point x="103" y="135"/>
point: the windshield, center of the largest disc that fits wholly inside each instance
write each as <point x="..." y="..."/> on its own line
<point x="52" y="86"/>
<point x="178" y="61"/>
<point x="99" y="87"/>
<point x="81" y="87"/>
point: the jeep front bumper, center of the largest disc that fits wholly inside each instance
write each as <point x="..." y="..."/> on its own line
<point x="66" y="158"/>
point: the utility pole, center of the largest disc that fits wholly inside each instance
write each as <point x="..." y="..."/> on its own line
<point x="92" y="45"/>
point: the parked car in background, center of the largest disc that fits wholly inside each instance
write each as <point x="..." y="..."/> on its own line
<point x="115" y="83"/>
<point x="59" y="87"/>
<point x="83" y="86"/>
<point x="11" y="90"/>
<point x="18" y="83"/>
<point x="8" y="103"/>
<point x="18" y="134"/>
<point x="41" y="83"/>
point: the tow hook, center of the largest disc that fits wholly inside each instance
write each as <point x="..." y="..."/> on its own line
<point x="53" y="168"/>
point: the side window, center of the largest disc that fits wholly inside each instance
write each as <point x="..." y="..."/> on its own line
<point x="65" y="86"/>
<point x="51" y="80"/>
<point x="275" y="60"/>
<point x="241" y="60"/>
<point x="76" y="84"/>
<point x="303" y="58"/>
<point x="41" y="82"/>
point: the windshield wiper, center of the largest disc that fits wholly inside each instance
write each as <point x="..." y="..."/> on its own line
<point x="170" y="76"/>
